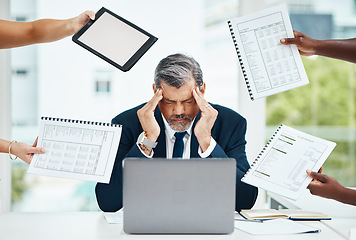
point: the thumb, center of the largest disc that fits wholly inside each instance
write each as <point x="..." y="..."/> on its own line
<point x="288" y="41"/>
<point x="91" y="14"/>
<point x="318" y="176"/>
<point x="37" y="150"/>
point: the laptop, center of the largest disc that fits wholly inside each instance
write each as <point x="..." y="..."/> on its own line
<point x="180" y="196"/>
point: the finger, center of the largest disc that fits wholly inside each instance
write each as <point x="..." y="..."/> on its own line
<point x="37" y="150"/>
<point x="318" y="176"/>
<point x="288" y="41"/>
<point x="312" y="185"/>
<point x="152" y="104"/>
<point x="91" y="14"/>
<point x="35" y="143"/>
<point x="297" y="34"/>
<point x="199" y="98"/>
<point x="296" y="40"/>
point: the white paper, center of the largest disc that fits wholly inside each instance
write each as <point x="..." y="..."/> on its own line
<point x="274" y="227"/>
<point x="78" y="150"/>
<point x="281" y="166"/>
<point x="269" y="66"/>
<point x="114" y="217"/>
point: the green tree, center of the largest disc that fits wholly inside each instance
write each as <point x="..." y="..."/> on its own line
<point x="327" y="101"/>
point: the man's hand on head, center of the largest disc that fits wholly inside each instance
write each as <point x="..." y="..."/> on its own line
<point x="147" y="119"/>
<point x="206" y="122"/>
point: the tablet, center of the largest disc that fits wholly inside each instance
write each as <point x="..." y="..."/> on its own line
<point x="114" y="39"/>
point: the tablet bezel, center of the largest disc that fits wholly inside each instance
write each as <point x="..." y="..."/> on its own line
<point x="133" y="59"/>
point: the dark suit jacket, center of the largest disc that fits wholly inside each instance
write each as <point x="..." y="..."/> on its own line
<point x="228" y="131"/>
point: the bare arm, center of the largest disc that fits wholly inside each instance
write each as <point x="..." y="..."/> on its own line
<point x="21" y="150"/>
<point x="328" y="187"/>
<point x="344" y="49"/>
<point x="17" y="34"/>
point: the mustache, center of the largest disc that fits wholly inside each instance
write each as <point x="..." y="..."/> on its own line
<point x="180" y="116"/>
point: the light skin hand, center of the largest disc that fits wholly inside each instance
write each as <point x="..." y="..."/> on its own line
<point x="206" y="122"/>
<point x="147" y="119"/>
<point x="24" y="151"/>
<point x="306" y="45"/>
<point x="79" y="21"/>
<point x="16" y="34"/>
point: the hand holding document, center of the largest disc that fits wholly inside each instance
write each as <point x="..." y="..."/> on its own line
<point x="281" y="166"/>
<point x="75" y="149"/>
<point x="267" y="66"/>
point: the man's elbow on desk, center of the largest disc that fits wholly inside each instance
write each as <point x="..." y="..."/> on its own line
<point x="107" y="201"/>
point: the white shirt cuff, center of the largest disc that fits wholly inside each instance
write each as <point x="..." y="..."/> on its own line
<point x="209" y="150"/>
<point x="148" y="156"/>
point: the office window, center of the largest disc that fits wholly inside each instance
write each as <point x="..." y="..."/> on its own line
<point x="21" y="72"/>
<point x="102" y="86"/>
<point x="103" y="79"/>
<point x="20" y="19"/>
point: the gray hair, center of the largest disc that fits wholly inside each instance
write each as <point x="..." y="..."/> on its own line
<point x="177" y="69"/>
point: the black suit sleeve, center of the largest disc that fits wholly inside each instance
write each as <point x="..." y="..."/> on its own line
<point x="109" y="196"/>
<point x="234" y="147"/>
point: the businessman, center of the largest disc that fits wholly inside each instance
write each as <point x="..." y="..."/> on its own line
<point x="179" y="122"/>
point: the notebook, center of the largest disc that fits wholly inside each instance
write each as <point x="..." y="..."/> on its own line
<point x="184" y="196"/>
<point x="281" y="165"/>
<point x="268" y="67"/>
<point x="76" y="149"/>
<point x="293" y="214"/>
<point x="114" y="39"/>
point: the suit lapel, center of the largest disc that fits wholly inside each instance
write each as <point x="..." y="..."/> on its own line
<point x="194" y="141"/>
<point x="160" y="150"/>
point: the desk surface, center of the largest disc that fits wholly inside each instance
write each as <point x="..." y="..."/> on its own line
<point x="93" y="225"/>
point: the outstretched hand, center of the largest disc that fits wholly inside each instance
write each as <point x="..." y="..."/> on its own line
<point x="206" y="122"/>
<point x="323" y="185"/>
<point x="26" y="152"/>
<point x="306" y="45"/>
<point x="79" y="21"/>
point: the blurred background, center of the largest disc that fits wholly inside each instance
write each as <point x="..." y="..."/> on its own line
<point x="62" y="79"/>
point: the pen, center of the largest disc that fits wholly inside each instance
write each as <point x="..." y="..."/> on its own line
<point x="249" y="220"/>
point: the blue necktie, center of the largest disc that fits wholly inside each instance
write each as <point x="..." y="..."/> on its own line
<point x="178" y="145"/>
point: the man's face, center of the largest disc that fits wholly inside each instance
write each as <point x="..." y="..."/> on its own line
<point x="178" y="105"/>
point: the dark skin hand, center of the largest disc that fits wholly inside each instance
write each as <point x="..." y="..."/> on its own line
<point x="328" y="187"/>
<point x="343" y="49"/>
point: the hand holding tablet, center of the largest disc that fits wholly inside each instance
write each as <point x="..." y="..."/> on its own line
<point x="114" y="39"/>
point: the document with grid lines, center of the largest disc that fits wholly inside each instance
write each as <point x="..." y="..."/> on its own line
<point x="76" y="149"/>
<point x="268" y="67"/>
<point x="281" y="166"/>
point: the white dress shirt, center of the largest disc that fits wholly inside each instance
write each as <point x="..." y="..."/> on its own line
<point x="170" y="139"/>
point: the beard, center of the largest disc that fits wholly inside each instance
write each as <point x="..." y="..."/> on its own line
<point x="180" y="126"/>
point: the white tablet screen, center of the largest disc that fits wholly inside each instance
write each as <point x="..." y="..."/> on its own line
<point x="113" y="38"/>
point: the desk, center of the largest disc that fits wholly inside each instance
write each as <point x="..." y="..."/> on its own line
<point x="93" y="225"/>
